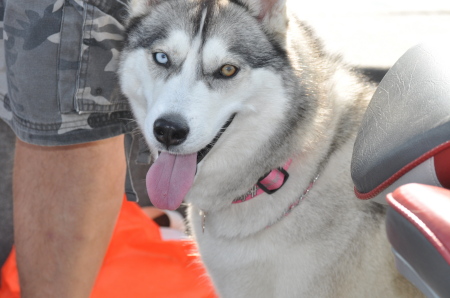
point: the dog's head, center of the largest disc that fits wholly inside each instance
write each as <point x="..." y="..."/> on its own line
<point x="193" y="69"/>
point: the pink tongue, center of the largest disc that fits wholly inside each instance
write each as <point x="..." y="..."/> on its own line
<point x="170" y="178"/>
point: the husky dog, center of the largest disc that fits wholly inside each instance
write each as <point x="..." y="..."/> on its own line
<point x="228" y="91"/>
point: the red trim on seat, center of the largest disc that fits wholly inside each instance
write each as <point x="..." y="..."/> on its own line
<point x="442" y="167"/>
<point x="427" y="208"/>
<point x="402" y="171"/>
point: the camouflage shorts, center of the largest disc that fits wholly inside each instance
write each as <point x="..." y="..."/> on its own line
<point x="61" y="58"/>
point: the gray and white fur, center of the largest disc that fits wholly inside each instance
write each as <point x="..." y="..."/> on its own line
<point x="290" y="100"/>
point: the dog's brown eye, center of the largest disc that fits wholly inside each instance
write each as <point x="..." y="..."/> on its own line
<point x="228" y="70"/>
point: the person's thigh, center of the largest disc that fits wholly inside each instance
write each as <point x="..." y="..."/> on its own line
<point x="61" y="59"/>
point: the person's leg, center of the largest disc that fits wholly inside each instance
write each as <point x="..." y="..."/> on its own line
<point x="66" y="201"/>
<point x="61" y="59"/>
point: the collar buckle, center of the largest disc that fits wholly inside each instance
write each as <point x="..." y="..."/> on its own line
<point x="269" y="183"/>
<point x="273" y="180"/>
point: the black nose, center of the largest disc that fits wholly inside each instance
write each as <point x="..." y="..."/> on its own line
<point x="170" y="130"/>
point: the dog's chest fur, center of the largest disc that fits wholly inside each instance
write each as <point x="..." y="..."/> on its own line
<point x="329" y="246"/>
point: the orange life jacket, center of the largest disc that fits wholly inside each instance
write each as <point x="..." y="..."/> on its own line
<point x="138" y="263"/>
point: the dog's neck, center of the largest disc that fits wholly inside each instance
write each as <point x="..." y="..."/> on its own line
<point x="270" y="183"/>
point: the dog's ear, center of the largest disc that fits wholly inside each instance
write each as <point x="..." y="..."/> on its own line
<point x="138" y="8"/>
<point x="272" y="14"/>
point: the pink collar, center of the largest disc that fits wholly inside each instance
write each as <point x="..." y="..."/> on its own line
<point x="269" y="183"/>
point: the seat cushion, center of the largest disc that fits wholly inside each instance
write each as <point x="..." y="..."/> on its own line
<point x="418" y="228"/>
<point x="406" y="125"/>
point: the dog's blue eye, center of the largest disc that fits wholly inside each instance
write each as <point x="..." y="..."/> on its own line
<point x="161" y="58"/>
